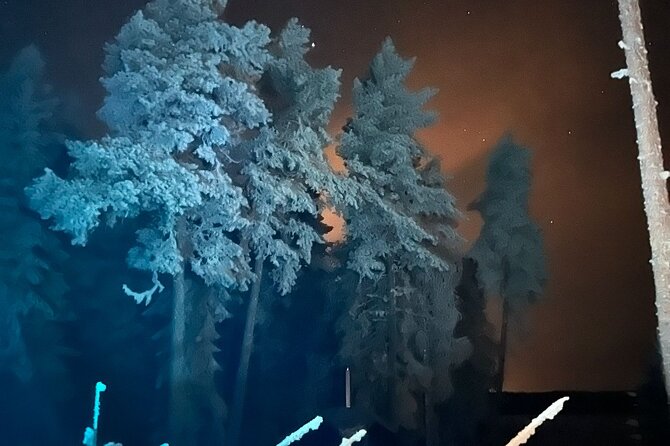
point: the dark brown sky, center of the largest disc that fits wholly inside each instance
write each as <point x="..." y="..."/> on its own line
<point x="537" y="68"/>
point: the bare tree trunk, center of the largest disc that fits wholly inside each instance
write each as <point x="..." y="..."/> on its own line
<point x="651" y="167"/>
<point x="239" y="393"/>
<point x="180" y="431"/>
<point x="393" y="344"/>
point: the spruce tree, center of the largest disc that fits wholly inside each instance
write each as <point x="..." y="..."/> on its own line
<point x="403" y="230"/>
<point x="509" y="250"/>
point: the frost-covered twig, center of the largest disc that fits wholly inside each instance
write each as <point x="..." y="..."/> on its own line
<point x="297" y="435"/>
<point x="145" y="296"/>
<point x="619" y="74"/>
<point x="528" y="431"/>
<point x="358" y="436"/>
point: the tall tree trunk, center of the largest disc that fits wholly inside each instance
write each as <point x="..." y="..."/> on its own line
<point x="239" y="393"/>
<point x="500" y="378"/>
<point x="653" y="175"/>
<point x="180" y="431"/>
<point x="429" y="298"/>
<point x="431" y="422"/>
<point x="196" y="409"/>
<point x="392" y="344"/>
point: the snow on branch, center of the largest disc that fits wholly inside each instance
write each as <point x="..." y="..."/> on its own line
<point x="528" y="431"/>
<point x="619" y="74"/>
<point x="297" y="435"/>
<point x="358" y="436"/>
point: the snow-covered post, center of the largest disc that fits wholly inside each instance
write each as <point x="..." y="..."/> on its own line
<point x="654" y="177"/>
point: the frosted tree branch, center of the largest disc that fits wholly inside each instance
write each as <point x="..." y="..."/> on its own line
<point x="297" y="435"/>
<point x="145" y="296"/>
<point x="619" y="74"/>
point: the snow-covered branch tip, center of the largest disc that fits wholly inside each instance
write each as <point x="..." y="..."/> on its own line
<point x="297" y="435"/>
<point x="619" y="74"/>
<point x="145" y="296"/>
<point x="622" y="45"/>
<point x="358" y="436"/>
<point x="314" y="425"/>
<point x="528" y="431"/>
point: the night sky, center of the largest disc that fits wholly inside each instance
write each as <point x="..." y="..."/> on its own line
<point x="539" y="69"/>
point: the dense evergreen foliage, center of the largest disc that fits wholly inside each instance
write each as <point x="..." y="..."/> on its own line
<point x="509" y="250"/>
<point x="398" y="332"/>
<point x="30" y="280"/>
<point x="34" y="309"/>
<point x="210" y="183"/>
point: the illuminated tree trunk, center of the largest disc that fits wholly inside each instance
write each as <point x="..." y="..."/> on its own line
<point x="180" y="431"/>
<point x="651" y="167"/>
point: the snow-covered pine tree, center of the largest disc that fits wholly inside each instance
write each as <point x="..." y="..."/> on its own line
<point x="509" y="250"/>
<point x="288" y="180"/>
<point x="180" y="99"/>
<point x="403" y="228"/>
<point x="191" y="152"/>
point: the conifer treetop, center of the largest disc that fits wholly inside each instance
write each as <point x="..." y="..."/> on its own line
<point x="395" y="172"/>
<point x="289" y="180"/>
<point x="509" y="250"/>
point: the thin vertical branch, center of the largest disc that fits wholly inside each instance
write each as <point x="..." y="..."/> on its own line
<point x="653" y="175"/>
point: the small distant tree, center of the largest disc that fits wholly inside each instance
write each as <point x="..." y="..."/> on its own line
<point x="403" y="230"/>
<point x="509" y="251"/>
